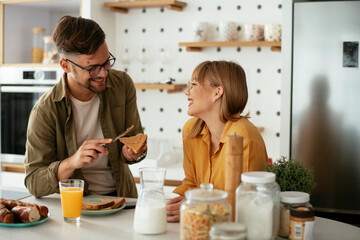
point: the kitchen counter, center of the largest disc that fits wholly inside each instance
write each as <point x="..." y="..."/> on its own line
<point x="120" y="226"/>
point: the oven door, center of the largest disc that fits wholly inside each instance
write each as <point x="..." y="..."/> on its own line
<point x="16" y="104"/>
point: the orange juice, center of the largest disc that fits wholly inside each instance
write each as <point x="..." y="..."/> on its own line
<point x="71" y="200"/>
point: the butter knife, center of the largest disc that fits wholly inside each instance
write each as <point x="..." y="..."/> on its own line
<point x="121" y="134"/>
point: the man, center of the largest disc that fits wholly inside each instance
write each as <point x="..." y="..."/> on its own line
<point x="71" y="127"/>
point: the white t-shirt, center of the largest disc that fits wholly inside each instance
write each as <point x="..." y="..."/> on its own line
<point x="98" y="174"/>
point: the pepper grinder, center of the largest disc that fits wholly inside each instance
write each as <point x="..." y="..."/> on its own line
<point x="233" y="167"/>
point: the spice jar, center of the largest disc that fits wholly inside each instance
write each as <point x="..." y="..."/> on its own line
<point x="50" y="52"/>
<point x="301" y="223"/>
<point x="228" y="231"/>
<point x="37" y="49"/>
<point x="203" y="207"/>
<point x="288" y="200"/>
<point x="258" y="205"/>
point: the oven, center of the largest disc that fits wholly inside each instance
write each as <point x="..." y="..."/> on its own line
<point x="20" y="88"/>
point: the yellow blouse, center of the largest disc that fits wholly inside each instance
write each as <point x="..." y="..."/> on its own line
<point x="200" y="167"/>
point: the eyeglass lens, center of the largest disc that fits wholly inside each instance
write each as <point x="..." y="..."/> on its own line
<point x="107" y="66"/>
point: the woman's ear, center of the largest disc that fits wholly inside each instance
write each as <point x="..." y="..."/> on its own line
<point x="65" y="65"/>
<point x="218" y="93"/>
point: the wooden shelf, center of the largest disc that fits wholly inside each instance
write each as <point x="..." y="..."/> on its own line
<point x="171" y="88"/>
<point x="123" y="7"/>
<point x="197" y="46"/>
<point x="13" y="167"/>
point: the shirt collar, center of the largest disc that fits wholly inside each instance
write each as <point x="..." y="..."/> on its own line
<point x="206" y="133"/>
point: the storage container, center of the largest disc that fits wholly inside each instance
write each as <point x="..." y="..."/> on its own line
<point x="228" y="231"/>
<point x="288" y="200"/>
<point x="203" y="207"/>
<point x="37" y="49"/>
<point x="258" y="205"/>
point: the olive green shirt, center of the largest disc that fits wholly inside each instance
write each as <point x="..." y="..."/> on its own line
<point x="51" y="135"/>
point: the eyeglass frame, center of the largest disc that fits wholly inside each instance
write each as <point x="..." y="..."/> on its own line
<point x="94" y="66"/>
<point x="190" y="86"/>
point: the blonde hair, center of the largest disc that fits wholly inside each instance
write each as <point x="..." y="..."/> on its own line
<point x="232" y="78"/>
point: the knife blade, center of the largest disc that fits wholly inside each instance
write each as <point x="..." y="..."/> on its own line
<point x="122" y="134"/>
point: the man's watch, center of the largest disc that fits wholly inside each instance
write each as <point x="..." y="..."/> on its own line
<point x="141" y="157"/>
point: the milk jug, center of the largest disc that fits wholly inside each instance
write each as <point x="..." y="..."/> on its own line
<point x="150" y="211"/>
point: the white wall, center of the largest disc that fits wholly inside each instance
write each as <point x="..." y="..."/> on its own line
<point x="163" y="115"/>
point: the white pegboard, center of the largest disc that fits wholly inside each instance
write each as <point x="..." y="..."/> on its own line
<point x="163" y="114"/>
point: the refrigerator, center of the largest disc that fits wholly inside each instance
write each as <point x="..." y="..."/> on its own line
<point x="325" y="101"/>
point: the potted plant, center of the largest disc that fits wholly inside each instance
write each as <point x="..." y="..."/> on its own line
<point x="291" y="175"/>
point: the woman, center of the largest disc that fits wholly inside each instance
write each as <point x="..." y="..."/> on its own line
<point x="217" y="95"/>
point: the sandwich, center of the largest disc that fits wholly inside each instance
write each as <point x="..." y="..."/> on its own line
<point x="135" y="142"/>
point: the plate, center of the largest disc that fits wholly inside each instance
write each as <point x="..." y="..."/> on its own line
<point x="100" y="212"/>
<point x="18" y="225"/>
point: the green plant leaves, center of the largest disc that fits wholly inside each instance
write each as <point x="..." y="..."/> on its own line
<point x="291" y="175"/>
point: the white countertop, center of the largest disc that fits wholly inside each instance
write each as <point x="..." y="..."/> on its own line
<point x="120" y="226"/>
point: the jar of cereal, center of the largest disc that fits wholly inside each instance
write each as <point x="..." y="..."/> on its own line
<point x="203" y="207"/>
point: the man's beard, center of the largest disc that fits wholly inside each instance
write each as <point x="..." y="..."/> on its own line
<point x="87" y="84"/>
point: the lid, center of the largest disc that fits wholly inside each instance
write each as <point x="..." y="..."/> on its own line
<point x="38" y="30"/>
<point x="294" y="197"/>
<point x="302" y="212"/>
<point x="206" y="193"/>
<point x="258" y="177"/>
<point x="47" y="38"/>
<point x="228" y="230"/>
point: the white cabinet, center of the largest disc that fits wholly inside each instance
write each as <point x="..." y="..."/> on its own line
<point x="17" y="19"/>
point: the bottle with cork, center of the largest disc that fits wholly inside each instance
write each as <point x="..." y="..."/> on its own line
<point x="37" y="49"/>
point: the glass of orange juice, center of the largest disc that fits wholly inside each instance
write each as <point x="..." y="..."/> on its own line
<point x="71" y="193"/>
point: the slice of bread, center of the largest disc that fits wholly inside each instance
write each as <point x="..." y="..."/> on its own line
<point x="117" y="202"/>
<point x="135" y="142"/>
<point x="86" y="205"/>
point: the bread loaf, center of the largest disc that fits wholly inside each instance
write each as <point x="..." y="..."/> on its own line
<point x="6" y="216"/>
<point x="26" y="214"/>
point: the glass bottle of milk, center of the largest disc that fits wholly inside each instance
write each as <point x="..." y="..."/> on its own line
<point x="150" y="211"/>
<point x="258" y="205"/>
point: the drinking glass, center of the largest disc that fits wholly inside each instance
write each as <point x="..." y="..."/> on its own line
<point x="71" y="193"/>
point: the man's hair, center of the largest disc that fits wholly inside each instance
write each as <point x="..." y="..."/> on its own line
<point x="77" y="36"/>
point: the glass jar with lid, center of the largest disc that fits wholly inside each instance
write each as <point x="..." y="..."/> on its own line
<point x="50" y="52"/>
<point x="203" y="207"/>
<point x="37" y="49"/>
<point x="228" y="231"/>
<point x="258" y="205"/>
<point x="288" y="200"/>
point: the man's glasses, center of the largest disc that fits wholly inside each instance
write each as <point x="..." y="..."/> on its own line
<point x="95" y="70"/>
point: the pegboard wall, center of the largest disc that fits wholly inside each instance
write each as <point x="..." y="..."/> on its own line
<point x="142" y="33"/>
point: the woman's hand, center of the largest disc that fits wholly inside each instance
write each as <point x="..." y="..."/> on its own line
<point x="173" y="209"/>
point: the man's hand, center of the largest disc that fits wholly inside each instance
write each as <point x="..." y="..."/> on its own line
<point x="173" y="209"/>
<point x="87" y="153"/>
<point x="130" y="155"/>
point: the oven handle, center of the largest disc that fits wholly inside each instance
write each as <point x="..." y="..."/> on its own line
<point x="24" y="89"/>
